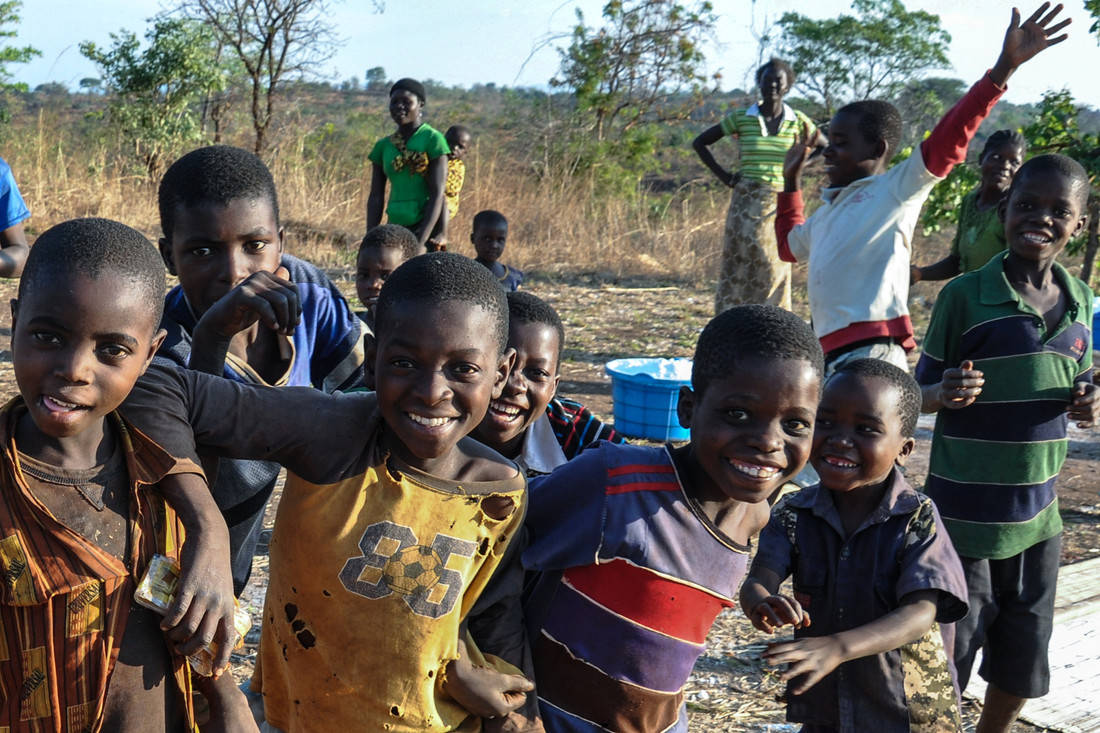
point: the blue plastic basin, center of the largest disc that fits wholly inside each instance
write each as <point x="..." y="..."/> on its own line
<point x="645" y="393"/>
<point x="1095" y="321"/>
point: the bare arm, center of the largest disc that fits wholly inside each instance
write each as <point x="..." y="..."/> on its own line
<point x="437" y="179"/>
<point x="377" y="196"/>
<point x="13" y="251"/>
<point x="810" y="659"/>
<point x="945" y="269"/>
<point x="702" y="144"/>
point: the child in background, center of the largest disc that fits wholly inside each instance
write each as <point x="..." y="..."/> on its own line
<point x="13" y="212"/>
<point x="382" y="251"/>
<point x="858" y="242"/>
<point x="220" y="218"/>
<point x="458" y="140"/>
<point x="873" y="570"/>
<point x="638" y="549"/>
<point x="390" y="526"/>
<point x="489" y="235"/>
<point x="1019" y="331"/>
<point x="83" y="506"/>
<point x="980" y="234"/>
<point x="529" y="423"/>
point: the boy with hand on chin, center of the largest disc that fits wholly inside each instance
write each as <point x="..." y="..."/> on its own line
<point x="858" y="243"/>
<point x="1019" y="330"/>
<point x="873" y="570"/>
<point x="390" y="527"/>
<point x="83" y="507"/>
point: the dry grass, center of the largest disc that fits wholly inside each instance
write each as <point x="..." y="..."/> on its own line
<point x="69" y="167"/>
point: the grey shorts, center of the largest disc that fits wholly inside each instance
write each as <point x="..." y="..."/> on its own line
<point x="889" y="351"/>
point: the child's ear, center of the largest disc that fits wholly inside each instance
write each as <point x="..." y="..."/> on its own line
<point x="1080" y="224"/>
<point x="154" y="347"/>
<point x="881" y="151"/>
<point x="504" y="368"/>
<point x="14" y="315"/>
<point x="905" y="451"/>
<point x="282" y="239"/>
<point x="1002" y="207"/>
<point x="165" y="248"/>
<point x="685" y="407"/>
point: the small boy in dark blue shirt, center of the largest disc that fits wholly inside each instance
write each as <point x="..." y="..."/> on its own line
<point x="489" y="236"/>
<point x="871" y="564"/>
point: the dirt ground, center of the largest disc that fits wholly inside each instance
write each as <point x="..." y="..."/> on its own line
<point x="730" y="689"/>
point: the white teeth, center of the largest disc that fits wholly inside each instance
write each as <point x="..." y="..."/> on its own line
<point x="431" y="422"/>
<point x="754" y="470"/>
<point x="60" y="403"/>
<point x="508" y="410"/>
<point x="1036" y="238"/>
<point x="841" y="463"/>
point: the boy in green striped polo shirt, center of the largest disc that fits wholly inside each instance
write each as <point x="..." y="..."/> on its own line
<point x="1019" y="331"/>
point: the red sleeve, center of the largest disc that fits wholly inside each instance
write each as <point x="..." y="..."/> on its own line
<point x="788" y="215"/>
<point x="947" y="144"/>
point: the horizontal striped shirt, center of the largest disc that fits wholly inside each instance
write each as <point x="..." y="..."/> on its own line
<point x="994" y="463"/>
<point x="762" y="154"/>
<point x="630" y="579"/>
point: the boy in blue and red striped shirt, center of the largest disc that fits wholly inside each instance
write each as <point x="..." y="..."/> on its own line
<point x="637" y="549"/>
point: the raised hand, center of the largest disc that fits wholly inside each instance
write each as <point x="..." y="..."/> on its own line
<point x="776" y="611"/>
<point x="270" y="298"/>
<point x="1084" y="406"/>
<point x="1025" y="40"/>
<point x="960" y="387"/>
<point x="793" y="164"/>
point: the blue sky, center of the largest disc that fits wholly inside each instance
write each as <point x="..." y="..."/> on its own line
<point x="503" y="41"/>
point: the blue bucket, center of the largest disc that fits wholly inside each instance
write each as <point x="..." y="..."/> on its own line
<point x="645" y="393"/>
<point x="1095" y="321"/>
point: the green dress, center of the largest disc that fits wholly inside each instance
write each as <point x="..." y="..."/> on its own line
<point x="979" y="236"/>
<point x="405" y="163"/>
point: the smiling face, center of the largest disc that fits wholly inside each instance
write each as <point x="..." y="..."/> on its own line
<point x="850" y="156"/>
<point x="437" y="368"/>
<point x="751" y="431"/>
<point x="858" y="436"/>
<point x="531" y="385"/>
<point x="489" y="241"/>
<point x="1042" y="212"/>
<point x="773" y="84"/>
<point x="405" y="107"/>
<point x="372" y="267"/>
<point x="77" y="351"/>
<point x="1000" y="164"/>
<point x="215" y="247"/>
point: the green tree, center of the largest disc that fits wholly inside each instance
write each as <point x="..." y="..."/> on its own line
<point x="875" y="52"/>
<point x="376" y="80"/>
<point x="642" y="67"/>
<point x="1093" y="8"/>
<point x="156" y="90"/>
<point x="9" y="18"/>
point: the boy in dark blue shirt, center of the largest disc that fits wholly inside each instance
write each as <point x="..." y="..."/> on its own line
<point x="873" y="570"/>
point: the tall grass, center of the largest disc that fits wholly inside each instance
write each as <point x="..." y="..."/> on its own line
<point x="68" y="166"/>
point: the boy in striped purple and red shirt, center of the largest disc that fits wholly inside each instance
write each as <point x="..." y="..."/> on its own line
<point x="637" y="549"/>
<point x="1018" y="330"/>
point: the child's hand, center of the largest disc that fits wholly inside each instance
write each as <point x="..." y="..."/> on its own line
<point x="270" y="298"/>
<point x="483" y="691"/>
<point x="809" y="659"/>
<point x="793" y="164"/>
<point x="1022" y="42"/>
<point x="732" y="178"/>
<point x="203" y="608"/>
<point x="960" y="387"/>
<point x="776" y="611"/>
<point x="1084" y="406"/>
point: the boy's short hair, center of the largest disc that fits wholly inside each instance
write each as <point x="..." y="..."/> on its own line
<point x="909" y="394"/>
<point x="92" y="247"/>
<point x="217" y="173"/>
<point x="1060" y="165"/>
<point x="526" y="308"/>
<point x="752" y="332"/>
<point x="489" y="218"/>
<point x="392" y="236"/>
<point x="438" y="277"/>
<point x="776" y="64"/>
<point x="453" y="133"/>
<point x="878" y="120"/>
<point x="1004" y="137"/>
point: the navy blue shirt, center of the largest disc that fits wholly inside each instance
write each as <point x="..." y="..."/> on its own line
<point x="900" y="548"/>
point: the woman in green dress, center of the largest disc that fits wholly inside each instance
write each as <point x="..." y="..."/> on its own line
<point x="413" y="161"/>
<point x="980" y="234"/>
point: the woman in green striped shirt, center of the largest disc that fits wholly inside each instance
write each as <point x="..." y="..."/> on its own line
<point x="751" y="270"/>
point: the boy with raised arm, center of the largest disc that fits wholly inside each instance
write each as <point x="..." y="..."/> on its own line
<point x="858" y="242"/>
<point x="1007" y="358"/>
